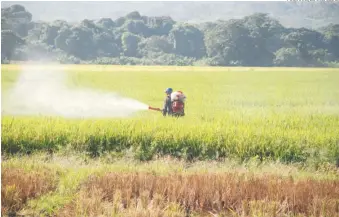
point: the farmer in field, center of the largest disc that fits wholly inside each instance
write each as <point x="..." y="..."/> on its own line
<point x="174" y="103"/>
<point x="167" y="109"/>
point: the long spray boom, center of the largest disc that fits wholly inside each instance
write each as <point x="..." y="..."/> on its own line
<point x="155" y="109"/>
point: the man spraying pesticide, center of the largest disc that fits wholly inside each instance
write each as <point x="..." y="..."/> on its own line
<point x="174" y="104"/>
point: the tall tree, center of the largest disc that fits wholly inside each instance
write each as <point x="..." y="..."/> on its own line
<point x="188" y="41"/>
<point x="9" y="41"/>
<point x="130" y="44"/>
<point x="17" y="18"/>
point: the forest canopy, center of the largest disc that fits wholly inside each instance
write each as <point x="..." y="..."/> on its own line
<point x="136" y="39"/>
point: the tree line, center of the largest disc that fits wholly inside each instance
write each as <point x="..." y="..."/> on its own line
<point x="134" y="39"/>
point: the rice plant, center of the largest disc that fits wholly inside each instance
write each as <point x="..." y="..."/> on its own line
<point x="284" y="114"/>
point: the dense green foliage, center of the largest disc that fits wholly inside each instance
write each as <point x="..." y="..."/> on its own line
<point x="281" y="114"/>
<point x="296" y="14"/>
<point x="256" y="40"/>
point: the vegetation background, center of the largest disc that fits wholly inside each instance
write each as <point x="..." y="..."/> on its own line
<point x="173" y="33"/>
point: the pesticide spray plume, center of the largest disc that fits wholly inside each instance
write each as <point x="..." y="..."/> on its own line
<point x="42" y="90"/>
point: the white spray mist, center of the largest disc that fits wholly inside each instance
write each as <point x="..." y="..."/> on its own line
<point x="41" y="90"/>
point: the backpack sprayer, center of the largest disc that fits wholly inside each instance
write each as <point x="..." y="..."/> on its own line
<point x="175" y="96"/>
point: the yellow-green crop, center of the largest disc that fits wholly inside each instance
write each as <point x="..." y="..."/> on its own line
<point x="287" y="114"/>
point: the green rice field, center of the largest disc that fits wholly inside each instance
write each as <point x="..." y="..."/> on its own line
<point x="285" y="114"/>
<point x="254" y="142"/>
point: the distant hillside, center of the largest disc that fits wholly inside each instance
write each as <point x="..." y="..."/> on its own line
<point x="140" y="39"/>
<point x="289" y="14"/>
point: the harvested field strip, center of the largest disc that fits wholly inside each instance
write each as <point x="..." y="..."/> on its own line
<point x="204" y="193"/>
<point x="18" y="186"/>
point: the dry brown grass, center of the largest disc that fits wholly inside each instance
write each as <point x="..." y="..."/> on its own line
<point x="18" y="186"/>
<point x="145" y="194"/>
